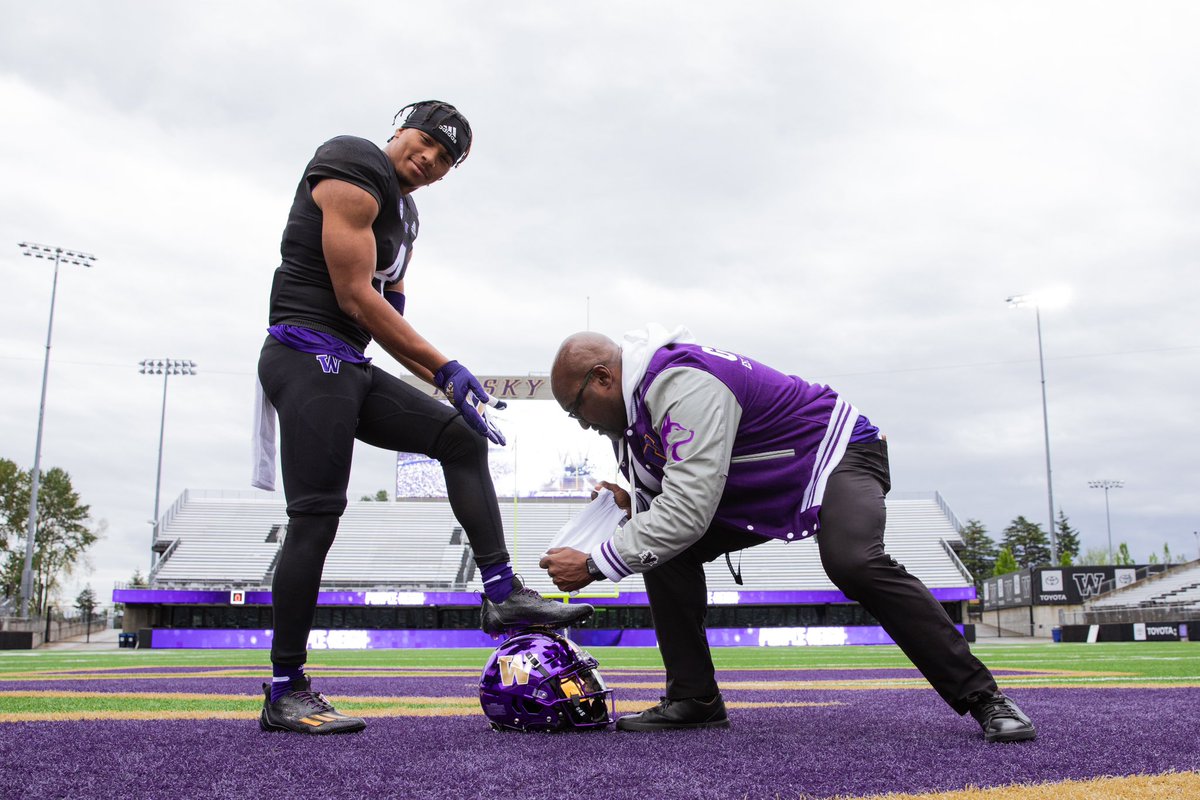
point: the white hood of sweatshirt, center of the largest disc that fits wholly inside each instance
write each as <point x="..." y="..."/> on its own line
<point x="637" y="348"/>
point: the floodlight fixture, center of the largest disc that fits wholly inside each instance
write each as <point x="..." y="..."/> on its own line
<point x="1016" y="301"/>
<point x="1107" y="484"/>
<point x="58" y="255"/>
<point x="165" y="367"/>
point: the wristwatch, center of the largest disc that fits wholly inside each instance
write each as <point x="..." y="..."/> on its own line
<point x="593" y="570"/>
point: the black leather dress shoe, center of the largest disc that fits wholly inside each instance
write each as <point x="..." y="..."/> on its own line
<point x="673" y="715"/>
<point x="1001" y="720"/>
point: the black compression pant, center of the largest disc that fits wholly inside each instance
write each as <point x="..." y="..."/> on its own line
<point x="851" y="548"/>
<point x="321" y="413"/>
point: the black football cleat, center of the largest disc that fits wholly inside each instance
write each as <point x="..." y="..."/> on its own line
<point x="525" y="608"/>
<point x="1001" y="720"/>
<point x="677" y="715"/>
<point x="304" y="711"/>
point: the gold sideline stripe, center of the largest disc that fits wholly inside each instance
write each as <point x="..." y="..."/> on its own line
<point x="1167" y="786"/>
<point x="255" y="697"/>
<point x="914" y="683"/>
<point x="213" y="669"/>
<point x="239" y="672"/>
<point x="405" y="672"/>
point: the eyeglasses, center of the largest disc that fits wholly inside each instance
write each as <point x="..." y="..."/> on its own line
<point x="572" y="412"/>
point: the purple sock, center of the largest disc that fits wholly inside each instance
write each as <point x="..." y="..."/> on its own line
<point x="497" y="581"/>
<point x="281" y="679"/>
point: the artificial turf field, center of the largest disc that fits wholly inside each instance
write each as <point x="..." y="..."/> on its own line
<point x="1119" y="720"/>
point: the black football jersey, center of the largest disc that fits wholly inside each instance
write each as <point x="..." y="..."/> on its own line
<point x="302" y="292"/>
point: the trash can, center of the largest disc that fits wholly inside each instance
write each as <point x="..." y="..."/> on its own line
<point x="1056" y="634"/>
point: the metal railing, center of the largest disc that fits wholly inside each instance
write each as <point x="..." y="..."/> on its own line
<point x="962" y="568"/>
<point x="162" y="560"/>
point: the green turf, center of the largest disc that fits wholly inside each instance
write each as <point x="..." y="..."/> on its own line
<point x="1144" y="660"/>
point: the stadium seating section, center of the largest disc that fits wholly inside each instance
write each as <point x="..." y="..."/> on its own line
<point x="227" y="538"/>
<point x="1178" y="587"/>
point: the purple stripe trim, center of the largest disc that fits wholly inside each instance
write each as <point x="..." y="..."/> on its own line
<point x="614" y="560"/>
<point x="181" y="597"/>
<point x="838" y="426"/>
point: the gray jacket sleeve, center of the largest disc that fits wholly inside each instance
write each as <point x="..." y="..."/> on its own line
<point x="701" y="417"/>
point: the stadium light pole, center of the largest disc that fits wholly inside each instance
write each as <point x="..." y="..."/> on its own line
<point x="1106" y="485"/>
<point x="60" y="256"/>
<point x="1037" y="300"/>
<point x="165" y="367"/>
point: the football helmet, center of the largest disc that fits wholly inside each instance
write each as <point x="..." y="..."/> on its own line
<point x="540" y="681"/>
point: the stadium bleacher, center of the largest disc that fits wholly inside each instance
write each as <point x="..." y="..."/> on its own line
<point x="1178" y="587"/>
<point x="231" y="538"/>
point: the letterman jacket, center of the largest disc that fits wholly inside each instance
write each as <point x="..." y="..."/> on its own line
<point x="717" y="437"/>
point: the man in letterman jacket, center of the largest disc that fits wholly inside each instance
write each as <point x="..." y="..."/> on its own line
<point x="726" y="453"/>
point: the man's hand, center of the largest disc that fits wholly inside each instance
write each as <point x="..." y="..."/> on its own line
<point x="620" y="496"/>
<point x="567" y="567"/>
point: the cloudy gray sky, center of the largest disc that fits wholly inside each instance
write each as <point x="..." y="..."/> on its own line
<point x="846" y="191"/>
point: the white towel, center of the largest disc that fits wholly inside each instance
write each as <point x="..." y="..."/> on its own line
<point x="262" y="444"/>
<point x="595" y="524"/>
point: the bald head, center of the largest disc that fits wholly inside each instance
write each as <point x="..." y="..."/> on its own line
<point x="586" y="381"/>
<point x="578" y="353"/>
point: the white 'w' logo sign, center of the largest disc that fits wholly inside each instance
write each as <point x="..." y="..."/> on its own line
<point x="1088" y="583"/>
<point x="329" y="364"/>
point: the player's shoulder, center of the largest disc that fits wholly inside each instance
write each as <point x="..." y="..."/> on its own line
<point x="352" y="148"/>
<point x="354" y="160"/>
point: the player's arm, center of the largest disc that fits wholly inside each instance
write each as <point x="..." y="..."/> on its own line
<point x="349" y="247"/>
<point x="700" y="416"/>
<point x="348" y="244"/>
<point x="393" y="293"/>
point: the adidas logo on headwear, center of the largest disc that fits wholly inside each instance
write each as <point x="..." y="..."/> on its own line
<point x="450" y="131"/>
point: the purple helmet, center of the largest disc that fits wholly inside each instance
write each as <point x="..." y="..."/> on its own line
<point x="540" y="681"/>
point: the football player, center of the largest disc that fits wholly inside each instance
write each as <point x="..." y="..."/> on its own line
<point x="345" y="250"/>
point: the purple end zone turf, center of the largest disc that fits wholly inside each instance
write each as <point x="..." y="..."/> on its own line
<point x="872" y="742"/>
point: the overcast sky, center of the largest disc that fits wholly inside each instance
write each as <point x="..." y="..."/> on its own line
<point x="845" y="191"/>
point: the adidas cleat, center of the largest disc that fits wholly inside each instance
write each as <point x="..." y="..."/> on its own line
<point x="304" y="711"/>
<point x="525" y="608"/>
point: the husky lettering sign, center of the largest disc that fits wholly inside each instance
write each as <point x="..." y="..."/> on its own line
<point x="501" y="387"/>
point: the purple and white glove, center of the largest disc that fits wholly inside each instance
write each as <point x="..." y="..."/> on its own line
<point x="463" y="391"/>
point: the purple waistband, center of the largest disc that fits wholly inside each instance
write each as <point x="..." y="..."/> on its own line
<point x="864" y="431"/>
<point x="306" y="340"/>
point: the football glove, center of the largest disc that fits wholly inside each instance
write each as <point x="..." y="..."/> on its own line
<point x="463" y="391"/>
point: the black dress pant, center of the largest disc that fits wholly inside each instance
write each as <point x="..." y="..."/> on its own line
<point x="323" y="407"/>
<point x="851" y="548"/>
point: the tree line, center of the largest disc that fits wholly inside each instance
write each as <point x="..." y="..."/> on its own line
<point x="64" y="533"/>
<point x="1025" y="544"/>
